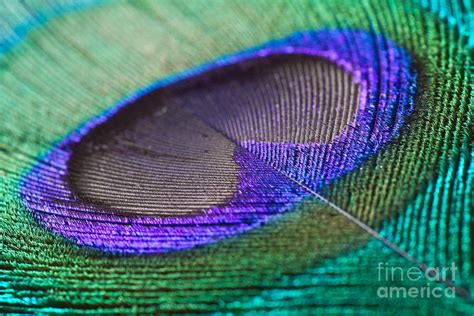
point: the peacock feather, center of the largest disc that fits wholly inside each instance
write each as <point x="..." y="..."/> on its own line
<point x="253" y="156"/>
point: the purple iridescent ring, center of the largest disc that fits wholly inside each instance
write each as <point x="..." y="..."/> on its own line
<point x="270" y="150"/>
